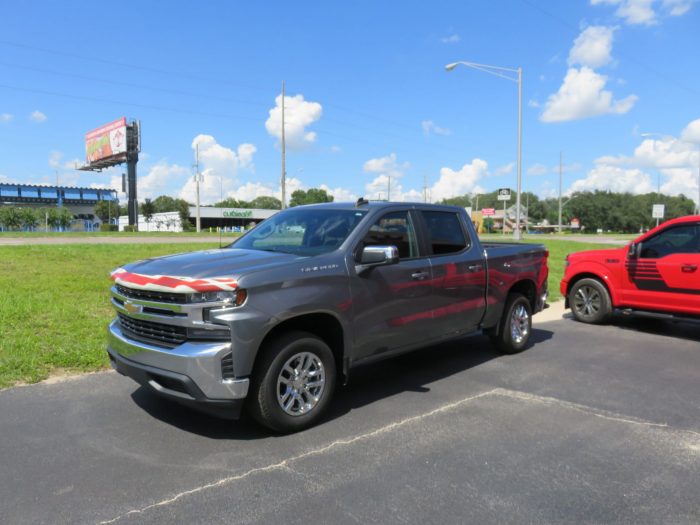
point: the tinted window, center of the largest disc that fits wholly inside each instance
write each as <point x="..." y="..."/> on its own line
<point x="304" y="231"/>
<point x="681" y="239"/>
<point x="394" y="229"/>
<point x="445" y="233"/>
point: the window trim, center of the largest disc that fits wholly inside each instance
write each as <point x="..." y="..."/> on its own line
<point x="665" y="230"/>
<point x="426" y="233"/>
<point x="416" y="228"/>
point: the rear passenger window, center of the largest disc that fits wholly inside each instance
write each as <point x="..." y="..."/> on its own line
<point x="445" y="233"/>
<point x="394" y="229"/>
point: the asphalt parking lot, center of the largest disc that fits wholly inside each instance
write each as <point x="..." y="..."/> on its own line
<point x="594" y="425"/>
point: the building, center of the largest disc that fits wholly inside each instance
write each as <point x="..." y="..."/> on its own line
<point x="80" y="201"/>
<point x="230" y="219"/>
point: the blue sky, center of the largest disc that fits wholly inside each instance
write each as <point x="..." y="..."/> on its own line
<point x="367" y="94"/>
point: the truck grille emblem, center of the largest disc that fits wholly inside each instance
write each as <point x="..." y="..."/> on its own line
<point x="133" y="308"/>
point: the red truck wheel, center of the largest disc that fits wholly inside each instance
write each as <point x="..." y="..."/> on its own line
<point x="590" y="301"/>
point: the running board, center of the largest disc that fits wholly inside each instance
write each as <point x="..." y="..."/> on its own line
<point x="665" y="316"/>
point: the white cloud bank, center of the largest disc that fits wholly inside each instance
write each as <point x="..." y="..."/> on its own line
<point x="298" y="115"/>
<point x="429" y="127"/>
<point x="6" y="117"/>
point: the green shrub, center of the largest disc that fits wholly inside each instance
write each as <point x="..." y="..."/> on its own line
<point x="104" y="227"/>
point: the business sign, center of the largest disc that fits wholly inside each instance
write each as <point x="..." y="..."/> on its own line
<point x="488" y="212"/>
<point x="238" y="214"/>
<point x="657" y="211"/>
<point x="575" y="224"/>
<point x="106" y="141"/>
<point x="504" y="194"/>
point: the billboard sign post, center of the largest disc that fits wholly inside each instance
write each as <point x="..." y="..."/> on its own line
<point x="504" y="195"/>
<point x="658" y="212"/>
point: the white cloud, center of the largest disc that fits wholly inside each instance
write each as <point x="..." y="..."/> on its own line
<point x="614" y="178"/>
<point x="532" y="103"/>
<point x="38" y="116"/>
<point x="459" y="182"/>
<point x="504" y="170"/>
<point x="219" y="166"/>
<point x="593" y="47"/>
<point x="55" y="159"/>
<point x="691" y="133"/>
<point x="582" y="96"/>
<point x="643" y="12"/>
<point x="252" y="190"/>
<point x="676" y="161"/>
<point x="537" y="169"/>
<point x="336" y="149"/>
<point x="6" y="117"/>
<point x="430" y="127"/>
<point x="386" y="166"/>
<point x="298" y="115"/>
<point x="340" y="194"/>
<point x="451" y="39"/>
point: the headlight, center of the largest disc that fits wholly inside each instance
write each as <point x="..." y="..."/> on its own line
<point x="214" y="297"/>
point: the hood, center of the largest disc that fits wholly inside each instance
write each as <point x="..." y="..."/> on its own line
<point x="198" y="271"/>
<point x="598" y="255"/>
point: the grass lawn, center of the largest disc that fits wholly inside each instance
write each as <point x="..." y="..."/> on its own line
<point x="54" y="302"/>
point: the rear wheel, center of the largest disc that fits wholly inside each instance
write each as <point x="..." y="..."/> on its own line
<point x="293" y="383"/>
<point x="590" y="301"/>
<point x="515" y="325"/>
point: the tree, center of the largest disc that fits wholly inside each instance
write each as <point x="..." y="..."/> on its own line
<point x="230" y="202"/>
<point x="463" y="201"/>
<point x="183" y="209"/>
<point x="265" y="202"/>
<point x="310" y="196"/>
<point x="147" y="210"/>
<point x="59" y="217"/>
<point x="106" y="210"/>
<point x="29" y="218"/>
<point x="164" y="203"/>
<point x="10" y="218"/>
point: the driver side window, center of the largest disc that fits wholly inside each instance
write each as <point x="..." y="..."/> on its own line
<point x="394" y="229"/>
<point x="681" y="239"/>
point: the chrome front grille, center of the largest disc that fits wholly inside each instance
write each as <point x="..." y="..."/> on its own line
<point x="158" y="334"/>
<point x="151" y="295"/>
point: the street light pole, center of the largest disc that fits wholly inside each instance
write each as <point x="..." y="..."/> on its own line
<point x="499" y="72"/>
<point x="283" y="180"/>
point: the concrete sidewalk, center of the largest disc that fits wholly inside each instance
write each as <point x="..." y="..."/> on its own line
<point x="555" y="312"/>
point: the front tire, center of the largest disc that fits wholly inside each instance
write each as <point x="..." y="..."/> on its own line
<point x="515" y="326"/>
<point x="590" y="301"/>
<point x="293" y="383"/>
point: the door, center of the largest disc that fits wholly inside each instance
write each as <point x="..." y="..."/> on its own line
<point x="459" y="273"/>
<point x="392" y="304"/>
<point x="666" y="274"/>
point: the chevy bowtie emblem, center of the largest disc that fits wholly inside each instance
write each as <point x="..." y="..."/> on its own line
<point x="133" y="308"/>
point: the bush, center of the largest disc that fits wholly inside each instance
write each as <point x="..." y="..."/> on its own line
<point x="129" y="228"/>
<point x="104" y="227"/>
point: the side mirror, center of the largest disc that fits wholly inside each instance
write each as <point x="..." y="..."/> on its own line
<point x="635" y="250"/>
<point x="377" y="256"/>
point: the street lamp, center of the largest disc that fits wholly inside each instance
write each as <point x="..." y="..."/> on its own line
<point x="502" y="72"/>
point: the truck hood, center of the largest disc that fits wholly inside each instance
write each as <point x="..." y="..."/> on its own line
<point x="598" y="255"/>
<point x="202" y="271"/>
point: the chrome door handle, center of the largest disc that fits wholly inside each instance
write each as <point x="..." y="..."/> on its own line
<point x="419" y="276"/>
<point x="474" y="267"/>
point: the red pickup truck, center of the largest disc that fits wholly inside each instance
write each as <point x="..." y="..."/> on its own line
<point x="655" y="276"/>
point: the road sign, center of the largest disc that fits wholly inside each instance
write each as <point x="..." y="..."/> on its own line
<point x="657" y="211"/>
<point x="504" y="194"/>
<point x="488" y="212"/>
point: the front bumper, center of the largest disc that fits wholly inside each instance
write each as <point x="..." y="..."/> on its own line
<point x="189" y="374"/>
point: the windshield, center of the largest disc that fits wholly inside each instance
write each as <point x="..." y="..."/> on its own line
<point x="305" y="231"/>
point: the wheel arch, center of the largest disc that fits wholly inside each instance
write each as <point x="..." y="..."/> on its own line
<point x="324" y="325"/>
<point x="528" y="288"/>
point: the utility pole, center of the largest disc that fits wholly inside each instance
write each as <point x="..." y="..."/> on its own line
<point x="699" y="180"/>
<point x="197" y="179"/>
<point x="658" y="190"/>
<point x="283" y="180"/>
<point x="388" y="188"/>
<point x="560" y="170"/>
<point x="425" y="189"/>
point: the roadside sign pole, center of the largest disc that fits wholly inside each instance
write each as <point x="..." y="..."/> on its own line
<point x="504" y="217"/>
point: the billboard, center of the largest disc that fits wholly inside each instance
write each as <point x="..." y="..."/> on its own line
<point x="106" y="141"/>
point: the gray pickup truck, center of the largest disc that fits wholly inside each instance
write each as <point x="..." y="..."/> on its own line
<point x="275" y="320"/>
